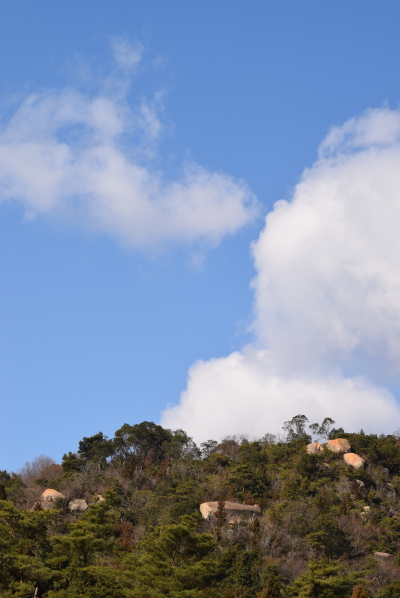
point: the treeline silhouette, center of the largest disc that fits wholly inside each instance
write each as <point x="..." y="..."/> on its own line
<point x="326" y="529"/>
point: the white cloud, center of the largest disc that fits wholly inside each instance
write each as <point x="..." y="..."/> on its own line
<point x="328" y="262"/>
<point x="327" y="295"/>
<point x="242" y="393"/>
<point x="126" y="54"/>
<point x="87" y="158"/>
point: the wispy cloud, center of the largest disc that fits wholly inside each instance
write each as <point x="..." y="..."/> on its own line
<point x="88" y="159"/>
<point x="126" y="53"/>
<point x="327" y="298"/>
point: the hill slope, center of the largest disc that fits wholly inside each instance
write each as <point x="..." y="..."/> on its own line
<point x="322" y="520"/>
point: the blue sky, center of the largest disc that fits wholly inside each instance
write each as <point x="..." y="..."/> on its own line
<point x="100" y="326"/>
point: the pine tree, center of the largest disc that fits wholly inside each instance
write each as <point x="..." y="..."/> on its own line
<point x="174" y="561"/>
<point x="273" y="584"/>
<point x="345" y="505"/>
<point x="3" y="494"/>
<point x="324" y="579"/>
<point x="220" y="518"/>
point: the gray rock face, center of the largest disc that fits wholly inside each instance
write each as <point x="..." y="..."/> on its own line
<point x="235" y="512"/>
<point x="78" y="505"/>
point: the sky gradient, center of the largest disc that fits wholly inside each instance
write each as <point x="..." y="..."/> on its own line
<point x="206" y="115"/>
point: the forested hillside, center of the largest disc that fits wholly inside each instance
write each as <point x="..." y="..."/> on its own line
<point x="142" y="535"/>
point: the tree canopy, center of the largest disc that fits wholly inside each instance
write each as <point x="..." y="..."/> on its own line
<point x="142" y="535"/>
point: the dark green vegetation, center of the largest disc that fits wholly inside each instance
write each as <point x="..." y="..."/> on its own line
<point x="148" y="540"/>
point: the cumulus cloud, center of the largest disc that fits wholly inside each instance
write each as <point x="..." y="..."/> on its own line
<point x="327" y="298"/>
<point x="328" y="262"/>
<point x="243" y="393"/>
<point x="89" y="159"/>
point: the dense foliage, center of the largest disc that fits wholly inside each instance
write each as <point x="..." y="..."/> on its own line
<point x="147" y="539"/>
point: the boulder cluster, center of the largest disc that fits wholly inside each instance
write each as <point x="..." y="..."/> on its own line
<point x="48" y="500"/>
<point x="341" y="446"/>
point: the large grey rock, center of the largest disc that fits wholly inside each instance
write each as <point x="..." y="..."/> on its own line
<point x="78" y="505"/>
<point x="235" y="512"/>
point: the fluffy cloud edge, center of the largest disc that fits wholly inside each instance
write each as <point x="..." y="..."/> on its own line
<point x="90" y="160"/>
<point x="328" y="261"/>
<point x="327" y="297"/>
<point x="242" y="393"/>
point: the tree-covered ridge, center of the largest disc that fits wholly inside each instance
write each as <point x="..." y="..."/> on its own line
<point x="322" y="520"/>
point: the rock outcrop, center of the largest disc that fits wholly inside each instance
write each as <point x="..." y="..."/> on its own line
<point x="354" y="460"/>
<point x="339" y="445"/>
<point x="314" y="448"/>
<point x="48" y="498"/>
<point x="383" y="556"/>
<point x="235" y="512"/>
<point x="78" y="505"/>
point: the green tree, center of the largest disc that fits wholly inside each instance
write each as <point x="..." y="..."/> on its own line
<point x="79" y="556"/>
<point x="71" y="463"/>
<point x="389" y="535"/>
<point x="96" y="448"/>
<point x="296" y="430"/>
<point x="3" y="494"/>
<point x="220" y="518"/>
<point x="142" y="443"/>
<point x="307" y="466"/>
<point x="324" y="579"/>
<point x="206" y="448"/>
<point x="345" y="505"/>
<point x="247" y="477"/>
<point x="324" y="429"/>
<point x="239" y="571"/>
<point x="328" y="538"/>
<point x="273" y="584"/>
<point x="392" y="590"/>
<point x="180" y="446"/>
<point x="173" y="562"/>
<point x="24" y="544"/>
<point x="92" y="582"/>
